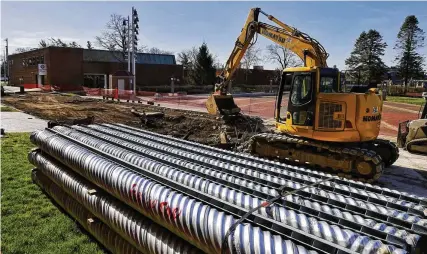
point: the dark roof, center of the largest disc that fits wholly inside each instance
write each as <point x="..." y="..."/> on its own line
<point x="95" y="55"/>
<point x="98" y="55"/>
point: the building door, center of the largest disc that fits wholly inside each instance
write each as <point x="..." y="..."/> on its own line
<point x="121" y="84"/>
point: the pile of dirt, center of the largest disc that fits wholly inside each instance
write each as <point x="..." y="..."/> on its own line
<point x="194" y="126"/>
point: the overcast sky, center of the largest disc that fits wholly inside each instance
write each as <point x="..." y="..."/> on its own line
<point x="176" y="26"/>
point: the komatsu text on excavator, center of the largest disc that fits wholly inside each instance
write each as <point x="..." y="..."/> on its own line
<point x="317" y="124"/>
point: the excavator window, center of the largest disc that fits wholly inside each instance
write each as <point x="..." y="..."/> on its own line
<point x="301" y="89"/>
<point x="283" y="100"/>
<point x="328" y="85"/>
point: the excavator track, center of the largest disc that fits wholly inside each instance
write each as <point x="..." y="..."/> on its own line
<point x="388" y="151"/>
<point x="350" y="160"/>
<point x="417" y="146"/>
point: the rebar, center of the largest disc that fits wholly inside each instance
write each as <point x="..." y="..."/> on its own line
<point x="102" y="233"/>
<point x="196" y="222"/>
<point x="138" y="230"/>
<point x="310" y="225"/>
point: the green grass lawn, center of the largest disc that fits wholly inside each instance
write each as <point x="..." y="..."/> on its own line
<point x="30" y="222"/>
<point x="7" y="109"/>
<point x="409" y="100"/>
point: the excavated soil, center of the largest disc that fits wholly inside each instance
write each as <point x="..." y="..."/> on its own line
<point x="194" y="126"/>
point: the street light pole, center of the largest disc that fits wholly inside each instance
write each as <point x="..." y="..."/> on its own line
<point x="128" y="44"/>
<point x="4" y="66"/>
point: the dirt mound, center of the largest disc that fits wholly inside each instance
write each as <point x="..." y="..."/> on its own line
<point x="194" y="126"/>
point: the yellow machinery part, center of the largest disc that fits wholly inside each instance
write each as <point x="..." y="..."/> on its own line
<point x="218" y="104"/>
<point x="359" y="162"/>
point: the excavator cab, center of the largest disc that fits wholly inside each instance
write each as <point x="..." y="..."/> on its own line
<point x="298" y="109"/>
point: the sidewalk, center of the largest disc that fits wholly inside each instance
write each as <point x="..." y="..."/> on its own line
<point x="21" y="122"/>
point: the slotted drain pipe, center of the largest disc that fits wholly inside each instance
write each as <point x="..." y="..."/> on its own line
<point x="391" y="194"/>
<point x="270" y="177"/>
<point x="102" y="233"/>
<point x="141" y="232"/>
<point x="52" y="144"/>
<point x="199" y="223"/>
<point x="369" y="227"/>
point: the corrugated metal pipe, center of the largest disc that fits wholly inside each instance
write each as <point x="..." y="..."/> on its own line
<point x="379" y="230"/>
<point x="76" y="156"/>
<point x="259" y="162"/>
<point x="417" y="207"/>
<point x="270" y="176"/>
<point x="344" y="217"/>
<point x="196" y="222"/>
<point x="140" y="231"/>
<point x="102" y="233"/>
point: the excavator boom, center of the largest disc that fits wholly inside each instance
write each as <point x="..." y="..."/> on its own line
<point x="307" y="48"/>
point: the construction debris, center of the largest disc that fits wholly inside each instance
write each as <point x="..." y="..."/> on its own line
<point x="174" y="122"/>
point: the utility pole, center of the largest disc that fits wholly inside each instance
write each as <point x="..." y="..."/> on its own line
<point x="135" y="33"/>
<point x="6" y="62"/>
<point x="4" y="66"/>
<point x="126" y="38"/>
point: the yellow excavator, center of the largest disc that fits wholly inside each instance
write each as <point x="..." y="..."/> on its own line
<point x="317" y="123"/>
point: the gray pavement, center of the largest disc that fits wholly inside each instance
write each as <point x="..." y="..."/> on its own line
<point x="15" y="89"/>
<point x="21" y="122"/>
<point x="408" y="173"/>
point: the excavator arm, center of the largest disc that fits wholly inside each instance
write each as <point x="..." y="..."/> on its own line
<point x="307" y="48"/>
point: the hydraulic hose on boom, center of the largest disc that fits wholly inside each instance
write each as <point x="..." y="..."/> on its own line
<point x="307" y="48"/>
<point x="317" y="123"/>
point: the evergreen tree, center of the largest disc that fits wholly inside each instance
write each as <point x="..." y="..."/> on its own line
<point x="204" y="70"/>
<point x="366" y="56"/>
<point x="409" y="39"/>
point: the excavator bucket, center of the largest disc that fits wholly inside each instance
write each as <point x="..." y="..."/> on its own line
<point x="222" y="105"/>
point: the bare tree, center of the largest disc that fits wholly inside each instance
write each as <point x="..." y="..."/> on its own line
<point x="113" y="38"/>
<point x="57" y="42"/>
<point x="187" y="58"/>
<point x="60" y="43"/>
<point x="252" y="57"/>
<point x="43" y="44"/>
<point x="282" y="56"/>
<point x="142" y="49"/>
<point x="22" y="50"/>
<point x="155" y="50"/>
<point x="89" y="45"/>
<point x="74" y="44"/>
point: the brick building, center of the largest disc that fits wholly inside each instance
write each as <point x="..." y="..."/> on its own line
<point x="255" y="77"/>
<point x="69" y="68"/>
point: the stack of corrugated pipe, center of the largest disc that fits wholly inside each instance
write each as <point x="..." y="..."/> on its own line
<point x="158" y="194"/>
